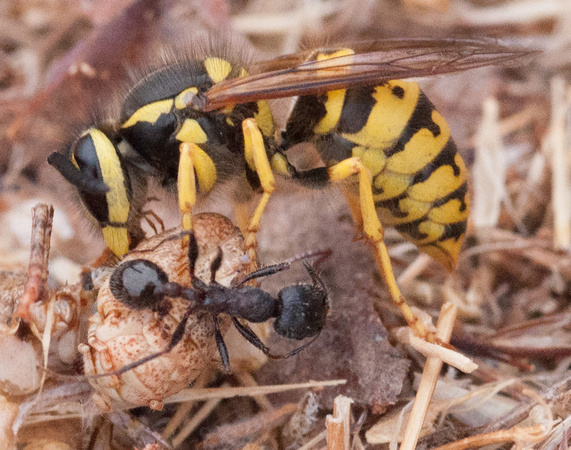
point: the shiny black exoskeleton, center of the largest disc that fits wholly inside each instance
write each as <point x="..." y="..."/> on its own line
<point x="300" y="310"/>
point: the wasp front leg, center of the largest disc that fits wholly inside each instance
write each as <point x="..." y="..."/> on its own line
<point x="192" y="159"/>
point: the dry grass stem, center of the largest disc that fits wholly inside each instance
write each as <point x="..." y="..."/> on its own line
<point x="42" y="222"/>
<point x="489" y="169"/>
<point x="196" y="420"/>
<point x="522" y="436"/>
<point x="339" y="424"/>
<point x="246" y="379"/>
<point x="229" y="392"/>
<point x="447" y="355"/>
<point x="428" y="381"/>
<point x="557" y="144"/>
<point x="181" y="412"/>
<point x="312" y="443"/>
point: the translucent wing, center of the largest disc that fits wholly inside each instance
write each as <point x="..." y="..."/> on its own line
<point x="372" y="63"/>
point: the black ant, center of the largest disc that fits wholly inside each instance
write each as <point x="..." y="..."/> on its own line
<point x="300" y="310"/>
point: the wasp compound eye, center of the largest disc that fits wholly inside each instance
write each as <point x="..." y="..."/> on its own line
<point x="138" y="284"/>
<point x="302" y="311"/>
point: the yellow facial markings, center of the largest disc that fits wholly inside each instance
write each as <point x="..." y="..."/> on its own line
<point x="264" y="118"/>
<point x="191" y="131"/>
<point x="184" y="99"/>
<point x="422" y="148"/>
<point x="112" y="173"/>
<point x="217" y="69"/>
<point x="392" y="185"/>
<point x="449" y="212"/>
<point x="374" y="159"/>
<point x="243" y="72"/>
<point x="334" y="106"/>
<point x="149" y="113"/>
<point x="440" y="183"/>
<point x="117" y="239"/>
<point x="388" y="116"/>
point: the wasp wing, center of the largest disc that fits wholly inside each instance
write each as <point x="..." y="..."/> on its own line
<point x="372" y="63"/>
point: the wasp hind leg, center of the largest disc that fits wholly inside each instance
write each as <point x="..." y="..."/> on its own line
<point x="365" y="216"/>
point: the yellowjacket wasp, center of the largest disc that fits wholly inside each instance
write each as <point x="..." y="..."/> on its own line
<point x="201" y="120"/>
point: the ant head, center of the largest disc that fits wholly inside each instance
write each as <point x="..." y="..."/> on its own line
<point x="138" y="283"/>
<point x="302" y="308"/>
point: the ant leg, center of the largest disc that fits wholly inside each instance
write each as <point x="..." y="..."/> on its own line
<point x="257" y="158"/>
<point x="254" y="339"/>
<point x="373" y="230"/>
<point x="221" y="345"/>
<point x="251" y="337"/>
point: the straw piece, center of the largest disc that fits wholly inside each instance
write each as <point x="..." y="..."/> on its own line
<point x="428" y="380"/>
<point x="489" y="173"/>
<point x="556" y="142"/>
<point x="196" y="420"/>
<point x="339" y="424"/>
<point x="229" y="392"/>
<point x="447" y="355"/>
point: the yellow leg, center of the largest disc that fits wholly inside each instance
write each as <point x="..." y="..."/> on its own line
<point x="352" y="200"/>
<point x="256" y="156"/>
<point x="242" y="215"/>
<point x="374" y="232"/>
<point x="186" y="184"/>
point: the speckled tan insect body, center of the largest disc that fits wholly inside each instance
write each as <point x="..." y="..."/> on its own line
<point x="119" y="335"/>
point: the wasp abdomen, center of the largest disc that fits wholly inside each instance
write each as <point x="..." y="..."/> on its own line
<point x="419" y="179"/>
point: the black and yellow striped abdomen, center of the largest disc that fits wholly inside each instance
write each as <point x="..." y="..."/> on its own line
<point x="419" y="179"/>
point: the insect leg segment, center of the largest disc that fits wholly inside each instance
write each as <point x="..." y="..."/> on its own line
<point x="373" y="230"/>
<point x="257" y="158"/>
<point x="193" y="159"/>
<point x="221" y="345"/>
<point x="186" y="186"/>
